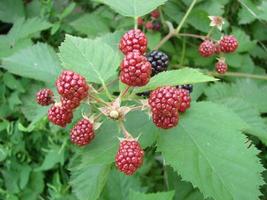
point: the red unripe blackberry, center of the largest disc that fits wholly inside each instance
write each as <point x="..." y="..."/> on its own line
<point x="221" y="67"/>
<point x="165" y="100"/>
<point x="82" y="133"/>
<point x="165" y="122"/>
<point x="206" y="48"/>
<point x="217" y="48"/>
<point x="44" y="97"/>
<point x="72" y="85"/>
<point x="155" y="14"/>
<point x="70" y="104"/>
<point x="135" y="70"/>
<point x="149" y="25"/>
<point x="133" y="40"/>
<point x="185" y="99"/>
<point x="140" y="21"/>
<point x="158" y="60"/>
<point x="228" y="44"/>
<point x="60" y="116"/>
<point x="129" y="156"/>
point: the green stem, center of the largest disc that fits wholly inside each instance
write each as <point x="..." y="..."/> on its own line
<point x="185" y="16"/>
<point x="135" y="23"/>
<point x="183" y="52"/>
<point x="237" y="74"/>
<point x="177" y="30"/>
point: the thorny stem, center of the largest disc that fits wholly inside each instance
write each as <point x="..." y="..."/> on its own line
<point x="237" y="74"/>
<point x="126" y="134"/>
<point x="177" y="30"/>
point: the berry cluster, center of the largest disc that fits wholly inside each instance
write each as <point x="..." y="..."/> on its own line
<point x="165" y="103"/>
<point x="227" y="44"/>
<point x="135" y="70"/>
<point x="73" y="89"/>
<point x="153" y="23"/>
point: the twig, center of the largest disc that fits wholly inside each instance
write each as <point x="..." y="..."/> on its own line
<point x="99" y="100"/>
<point x="177" y="30"/>
<point x="238" y="74"/>
<point x="107" y="85"/>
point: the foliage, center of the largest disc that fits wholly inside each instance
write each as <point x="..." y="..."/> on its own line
<point x="218" y="150"/>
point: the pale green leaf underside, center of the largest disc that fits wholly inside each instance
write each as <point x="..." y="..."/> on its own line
<point x="208" y="149"/>
<point x="133" y="8"/>
<point x="88" y="182"/>
<point x="175" y="77"/>
<point x="38" y="62"/>
<point x="94" y="59"/>
<point x="152" y="196"/>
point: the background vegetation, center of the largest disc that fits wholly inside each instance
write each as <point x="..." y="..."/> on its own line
<point x="37" y="160"/>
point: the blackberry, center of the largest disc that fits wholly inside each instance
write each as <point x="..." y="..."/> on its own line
<point x="188" y="87"/>
<point x="159" y="61"/>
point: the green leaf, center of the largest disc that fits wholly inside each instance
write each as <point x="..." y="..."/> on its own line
<point x="88" y="182"/>
<point x="90" y="24"/>
<point x="183" y="190"/>
<point x="52" y="157"/>
<point x="175" y="77"/>
<point x="133" y="8"/>
<point x="245" y="43"/>
<point x="152" y="196"/>
<point x="26" y="28"/>
<point x="11" y="10"/>
<point x="94" y="59"/>
<point x="112" y="39"/>
<point x="119" y="185"/>
<point x="208" y="150"/>
<point x="199" y="19"/>
<point x="257" y="126"/>
<point x="38" y="62"/>
<point x="245" y="89"/>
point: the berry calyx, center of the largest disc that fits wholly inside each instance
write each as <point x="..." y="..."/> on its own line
<point x="82" y="133"/>
<point x="129" y="156"/>
<point x="228" y="44"/>
<point x="44" y="97"/>
<point x="185" y="99"/>
<point x="72" y="85"/>
<point x="188" y="87"/>
<point x="135" y="70"/>
<point x="155" y="14"/>
<point x="133" y="40"/>
<point x="149" y="25"/>
<point x="159" y="61"/>
<point x="164" y="101"/>
<point x="60" y="116"/>
<point x="165" y="122"/>
<point x="221" y="66"/>
<point x="206" y="48"/>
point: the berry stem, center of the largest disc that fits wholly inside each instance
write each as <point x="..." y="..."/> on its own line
<point x="126" y="134"/>
<point x="107" y="85"/>
<point x="106" y="90"/>
<point x="125" y="91"/>
<point x="135" y="22"/>
<point x="99" y="100"/>
<point x="237" y="74"/>
<point x="202" y="37"/>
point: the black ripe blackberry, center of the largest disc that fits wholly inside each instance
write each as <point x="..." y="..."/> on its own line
<point x="188" y="87"/>
<point x="159" y="61"/>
